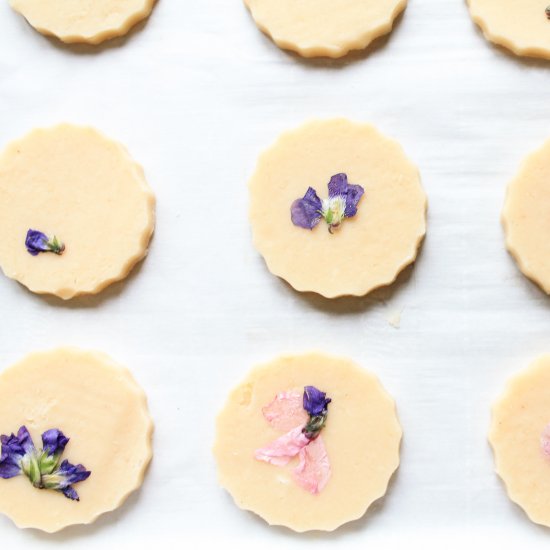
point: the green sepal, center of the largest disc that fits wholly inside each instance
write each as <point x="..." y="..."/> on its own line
<point x="56" y="246"/>
<point x="31" y="468"/>
<point x="48" y="463"/>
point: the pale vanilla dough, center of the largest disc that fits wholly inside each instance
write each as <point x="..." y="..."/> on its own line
<point x="519" y="25"/>
<point x="520" y="418"/>
<point x="89" y="21"/>
<point x="330" y="28"/>
<point x="74" y="183"/>
<point x="100" y="407"/>
<point x="366" y="251"/>
<point x="362" y="438"/>
<point x="526" y="218"/>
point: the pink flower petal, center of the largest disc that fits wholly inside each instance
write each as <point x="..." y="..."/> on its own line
<point x="313" y="472"/>
<point x="286" y="411"/>
<point x="545" y="441"/>
<point x="280" y="451"/>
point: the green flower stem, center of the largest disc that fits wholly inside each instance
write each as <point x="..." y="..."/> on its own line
<point x="314" y="426"/>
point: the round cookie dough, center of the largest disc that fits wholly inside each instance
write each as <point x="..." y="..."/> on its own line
<point x="525" y="217"/>
<point x="362" y="459"/>
<point x="73" y="183"/>
<point x="88" y="21"/>
<point x="519" y="25"/>
<point x="366" y="251"/>
<point x="329" y="28"/>
<point x="520" y="435"/>
<point x="100" y="407"/>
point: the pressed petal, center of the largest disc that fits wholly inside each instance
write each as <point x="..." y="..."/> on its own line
<point x="8" y="469"/>
<point x="25" y="440"/>
<point x="288" y="409"/>
<point x="306" y="212"/>
<point x="36" y="242"/>
<point x="73" y="474"/>
<point x="315" y="401"/>
<point x="313" y="471"/>
<point x="285" y="411"/>
<point x="354" y="194"/>
<point x="69" y="492"/>
<point x="338" y="185"/>
<point x="63" y="479"/>
<point x="16" y="448"/>
<point x="280" y="451"/>
<point x="53" y="442"/>
<point x="9" y="461"/>
<point x="11" y="445"/>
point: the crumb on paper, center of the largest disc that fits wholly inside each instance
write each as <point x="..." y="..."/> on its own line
<point x="394" y="318"/>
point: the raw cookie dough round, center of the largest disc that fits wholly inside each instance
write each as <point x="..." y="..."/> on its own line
<point x="520" y="439"/>
<point x="366" y="251"/>
<point x="73" y="183"/>
<point x="329" y="28"/>
<point x="100" y="407"/>
<point x="525" y="217"/>
<point x="362" y="439"/>
<point x="519" y="25"/>
<point x="88" y="21"/>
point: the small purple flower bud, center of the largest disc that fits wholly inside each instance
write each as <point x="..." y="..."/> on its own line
<point x="53" y="445"/>
<point x="53" y="442"/>
<point x="37" y="242"/>
<point x="316" y="405"/>
<point x="315" y="401"/>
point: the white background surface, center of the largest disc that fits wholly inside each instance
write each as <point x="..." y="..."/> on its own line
<point x="195" y="94"/>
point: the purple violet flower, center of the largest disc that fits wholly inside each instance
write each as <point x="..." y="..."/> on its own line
<point x="20" y="457"/>
<point x="316" y="405"/>
<point x="37" y="242"/>
<point x="63" y="479"/>
<point x="53" y="445"/>
<point x="342" y="202"/>
<point x="315" y="401"/>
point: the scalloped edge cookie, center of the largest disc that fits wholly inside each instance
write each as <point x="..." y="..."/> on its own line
<point x="123" y="377"/>
<point x="16" y="272"/>
<point x="334" y="50"/>
<point x="241" y="428"/>
<point x="495" y="35"/>
<point x="301" y="265"/>
<point x="72" y="36"/>
<point x="514" y="217"/>
<point x="515" y="436"/>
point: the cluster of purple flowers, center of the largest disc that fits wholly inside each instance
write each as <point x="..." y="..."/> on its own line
<point x="42" y="467"/>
